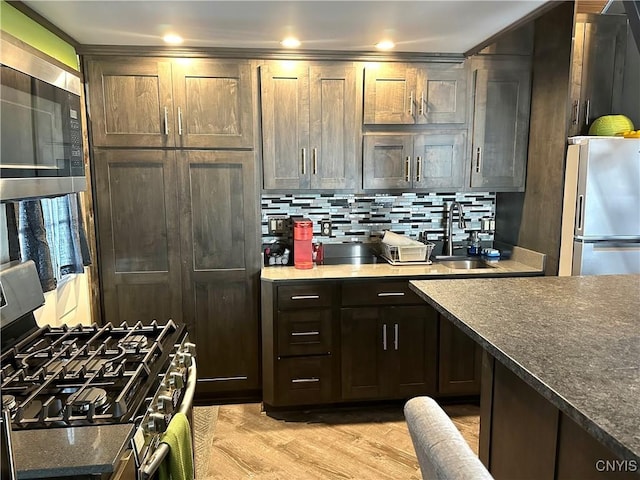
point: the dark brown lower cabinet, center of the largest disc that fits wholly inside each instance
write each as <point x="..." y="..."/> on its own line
<point x="298" y="342"/>
<point x="178" y="239"/>
<point x="388" y="352"/>
<point x="524" y="436"/>
<point x="359" y="340"/>
<point x="460" y="359"/>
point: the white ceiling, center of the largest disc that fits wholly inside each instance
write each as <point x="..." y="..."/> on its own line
<point x="452" y="26"/>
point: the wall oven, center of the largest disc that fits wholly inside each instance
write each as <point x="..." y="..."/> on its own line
<point x="41" y="128"/>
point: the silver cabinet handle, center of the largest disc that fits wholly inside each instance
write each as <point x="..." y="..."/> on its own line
<point x="408" y="169"/>
<point x="384" y="336"/>
<point x="305" y="297"/>
<point x="179" y="121"/>
<point x="305" y="334"/>
<point x="576" y="112"/>
<point x="225" y="379"/>
<point x="580" y="212"/>
<point x="418" y="168"/>
<point x="395" y="331"/>
<point x="305" y="380"/>
<point x="304" y="161"/>
<point x="411" y="103"/>
<point x="587" y="111"/>
<point x="478" y="159"/>
<point x="391" y="294"/>
<point x="421" y="110"/>
<point x="315" y="161"/>
<point x="166" y="121"/>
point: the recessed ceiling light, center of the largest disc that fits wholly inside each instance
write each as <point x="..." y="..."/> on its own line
<point x="172" y="38"/>
<point x="385" y="45"/>
<point x="290" y="42"/>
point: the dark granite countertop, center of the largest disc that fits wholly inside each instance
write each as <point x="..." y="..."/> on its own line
<point x="54" y="452"/>
<point x="575" y="340"/>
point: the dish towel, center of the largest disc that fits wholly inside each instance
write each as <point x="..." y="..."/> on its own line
<point x="179" y="463"/>
<point x="33" y="242"/>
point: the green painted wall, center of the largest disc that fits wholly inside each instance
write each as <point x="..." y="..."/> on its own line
<point x="23" y="28"/>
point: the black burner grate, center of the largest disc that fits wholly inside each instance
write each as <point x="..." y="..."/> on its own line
<point x="57" y="375"/>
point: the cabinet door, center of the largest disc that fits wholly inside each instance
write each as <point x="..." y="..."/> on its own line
<point x="212" y="101"/>
<point x="460" y="361"/>
<point x="441" y="94"/>
<point x="285" y="125"/>
<point x="218" y="220"/>
<point x="501" y="124"/>
<point x="412" y="345"/>
<point x="599" y="49"/>
<point x="333" y="126"/>
<point x="390" y="94"/>
<point x="365" y="340"/>
<point x="387" y="161"/>
<point x="440" y="160"/>
<point x="138" y="236"/>
<point x="130" y="102"/>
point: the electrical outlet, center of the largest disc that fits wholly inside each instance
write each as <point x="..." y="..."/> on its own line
<point x="325" y="228"/>
<point x="277" y="225"/>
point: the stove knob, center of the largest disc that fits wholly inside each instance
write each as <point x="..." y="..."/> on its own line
<point x="165" y="403"/>
<point x="184" y="359"/>
<point x="175" y="380"/>
<point x="189" y="347"/>
<point x="157" y="422"/>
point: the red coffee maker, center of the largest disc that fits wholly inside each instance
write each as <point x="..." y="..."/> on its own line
<point x="302" y="250"/>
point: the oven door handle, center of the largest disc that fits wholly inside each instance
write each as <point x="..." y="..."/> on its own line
<point x="150" y="467"/>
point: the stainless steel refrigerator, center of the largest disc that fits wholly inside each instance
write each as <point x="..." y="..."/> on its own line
<point x="601" y="207"/>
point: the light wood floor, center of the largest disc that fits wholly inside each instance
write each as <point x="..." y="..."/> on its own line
<point x="368" y="443"/>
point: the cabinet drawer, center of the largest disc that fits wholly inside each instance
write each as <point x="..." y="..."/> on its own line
<point x="304" y="332"/>
<point x="306" y="295"/>
<point x="379" y="293"/>
<point x="304" y="380"/>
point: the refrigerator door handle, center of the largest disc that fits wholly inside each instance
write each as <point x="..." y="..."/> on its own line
<point x="580" y="212"/>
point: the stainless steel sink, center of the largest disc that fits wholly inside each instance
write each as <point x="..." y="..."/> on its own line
<point x="463" y="263"/>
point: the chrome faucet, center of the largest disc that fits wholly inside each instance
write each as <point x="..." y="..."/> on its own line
<point x="461" y="224"/>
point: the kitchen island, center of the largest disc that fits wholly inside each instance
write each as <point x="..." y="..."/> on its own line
<point x="562" y="358"/>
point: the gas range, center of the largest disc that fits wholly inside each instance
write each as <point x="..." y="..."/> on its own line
<point x="102" y="395"/>
<point x="72" y="376"/>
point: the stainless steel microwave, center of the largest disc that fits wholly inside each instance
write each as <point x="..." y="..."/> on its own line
<point x="40" y="127"/>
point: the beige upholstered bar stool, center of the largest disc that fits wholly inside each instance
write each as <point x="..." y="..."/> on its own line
<point x="442" y="452"/>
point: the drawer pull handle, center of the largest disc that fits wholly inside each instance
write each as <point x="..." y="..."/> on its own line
<point x="225" y="379"/>
<point x="305" y="380"/>
<point x="304" y="334"/>
<point x="391" y="294"/>
<point x="305" y="297"/>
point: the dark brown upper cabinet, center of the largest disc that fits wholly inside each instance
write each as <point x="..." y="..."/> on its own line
<point x="415" y="94"/>
<point x="599" y="49"/>
<point x="184" y="103"/>
<point x="434" y="161"/>
<point x="501" y="107"/>
<point x="309" y="126"/>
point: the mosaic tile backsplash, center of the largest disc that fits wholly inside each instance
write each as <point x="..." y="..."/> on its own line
<point x="365" y="217"/>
